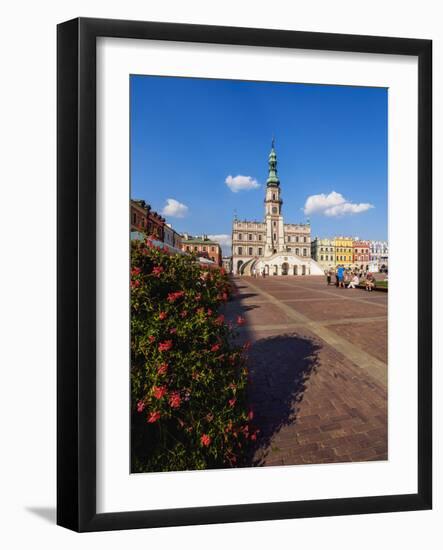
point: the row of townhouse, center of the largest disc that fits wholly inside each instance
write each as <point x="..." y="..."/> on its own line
<point x="350" y="252"/>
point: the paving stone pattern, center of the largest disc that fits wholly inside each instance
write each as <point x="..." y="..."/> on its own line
<point x="318" y="369"/>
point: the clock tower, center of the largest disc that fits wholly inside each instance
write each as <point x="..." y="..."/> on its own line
<point x="275" y="240"/>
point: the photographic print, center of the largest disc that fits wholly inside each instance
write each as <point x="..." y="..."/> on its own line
<point x="259" y="273"/>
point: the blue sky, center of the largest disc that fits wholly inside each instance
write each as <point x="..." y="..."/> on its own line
<point x="189" y="137"/>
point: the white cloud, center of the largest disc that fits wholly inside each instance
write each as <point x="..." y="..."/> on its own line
<point x="175" y="209"/>
<point x="225" y="241"/>
<point x="241" y="183"/>
<point x="333" y="205"/>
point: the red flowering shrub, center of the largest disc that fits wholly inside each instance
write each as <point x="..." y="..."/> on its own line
<point x="188" y="380"/>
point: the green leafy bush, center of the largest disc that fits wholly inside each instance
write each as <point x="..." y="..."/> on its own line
<point x="188" y="381"/>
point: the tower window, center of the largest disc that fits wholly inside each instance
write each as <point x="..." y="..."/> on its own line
<point x="273" y="196"/>
<point x="274" y="210"/>
<point x="260" y="251"/>
<point x="259" y="237"/>
<point x="240" y="250"/>
<point x="250" y="236"/>
<point x="275" y="237"/>
<point x="250" y="250"/>
<point x="240" y="236"/>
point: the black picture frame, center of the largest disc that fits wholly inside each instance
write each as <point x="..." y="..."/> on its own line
<point x="76" y="265"/>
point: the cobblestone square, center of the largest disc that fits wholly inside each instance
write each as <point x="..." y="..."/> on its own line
<point x="318" y="369"/>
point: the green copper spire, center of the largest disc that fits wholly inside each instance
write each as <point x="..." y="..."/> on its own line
<point x="272" y="180"/>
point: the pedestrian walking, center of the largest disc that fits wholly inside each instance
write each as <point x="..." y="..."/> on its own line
<point x="328" y="277"/>
<point x="340" y="275"/>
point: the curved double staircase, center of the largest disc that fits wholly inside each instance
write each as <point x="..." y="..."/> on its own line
<point x="246" y="268"/>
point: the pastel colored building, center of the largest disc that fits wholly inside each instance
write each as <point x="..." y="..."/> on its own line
<point x="202" y="247"/>
<point x="344" y="251"/>
<point x="379" y="255"/>
<point x="323" y="252"/>
<point x="361" y="255"/>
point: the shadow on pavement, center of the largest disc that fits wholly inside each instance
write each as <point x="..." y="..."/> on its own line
<point x="279" y="368"/>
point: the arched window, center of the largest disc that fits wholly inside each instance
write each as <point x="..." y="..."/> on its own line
<point x="250" y="251"/>
<point x="240" y="250"/>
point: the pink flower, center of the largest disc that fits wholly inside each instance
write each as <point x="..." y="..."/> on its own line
<point x="172" y="331"/>
<point x="201" y="311"/>
<point x="135" y="284"/>
<point x="135" y="271"/>
<point x="251" y="414"/>
<point x="253" y="437"/>
<point x="159" y="391"/>
<point x="232" y="402"/>
<point x="157" y="271"/>
<point x="153" y="417"/>
<point x="175" y="400"/>
<point x="151" y="339"/>
<point x="165" y="346"/>
<point x="220" y="320"/>
<point x="209" y="312"/>
<point x="205" y="440"/>
<point x="173" y="296"/>
<point x="215" y="347"/>
<point x="183" y="313"/>
<point x="140" y="406"/>
<point x="162" y="369"/>
<point x="162" y="315"/>
<point x="240" y="320"/>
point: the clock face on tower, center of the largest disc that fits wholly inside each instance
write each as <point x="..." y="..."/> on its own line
<point x="274" y="210"/>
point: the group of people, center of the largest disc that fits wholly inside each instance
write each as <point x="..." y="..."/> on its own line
<point x="348" y="278"/>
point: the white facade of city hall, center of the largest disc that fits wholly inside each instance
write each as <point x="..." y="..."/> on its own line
<point x="272" y="246"/>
